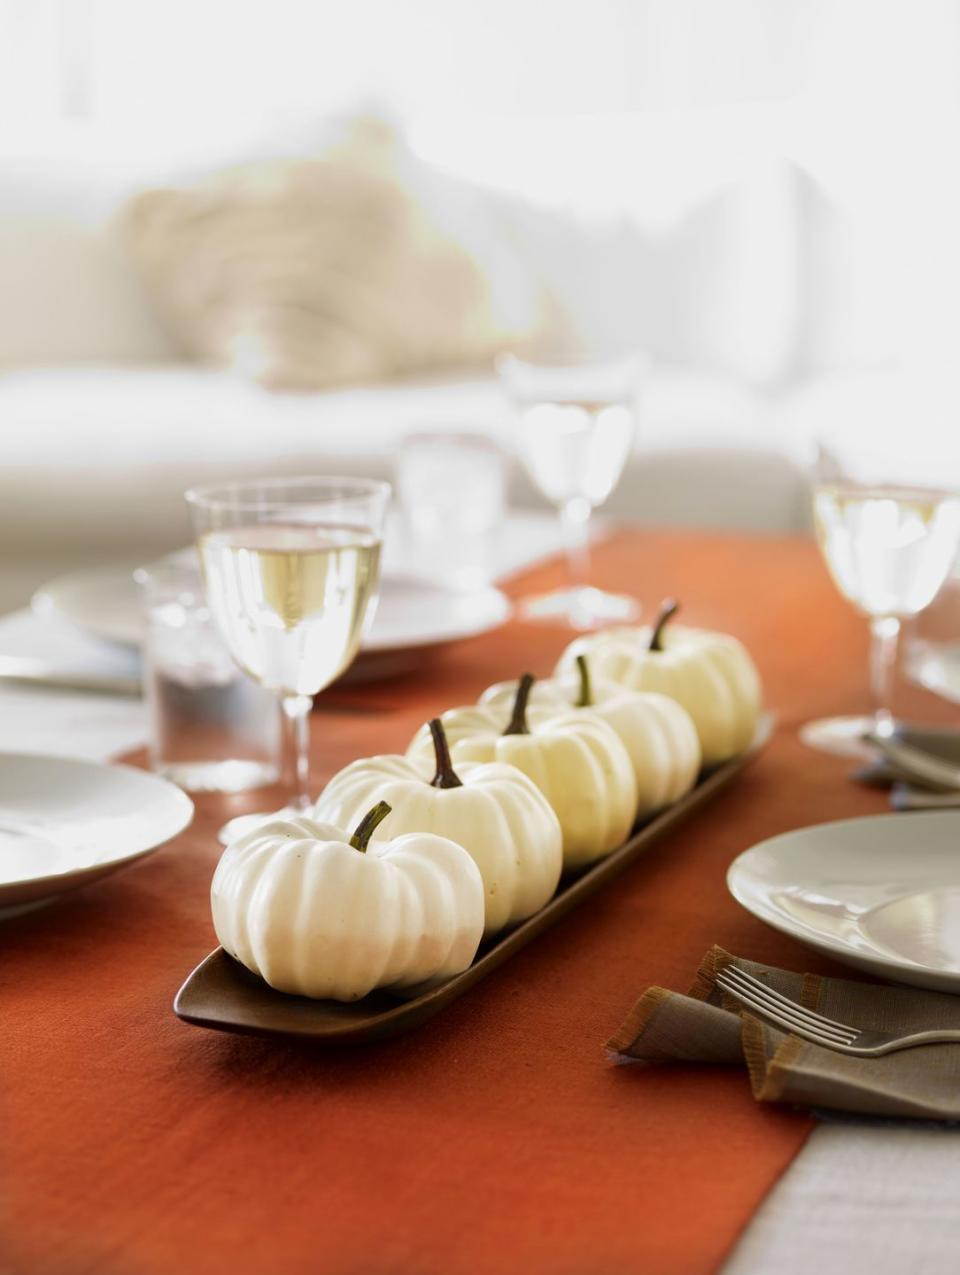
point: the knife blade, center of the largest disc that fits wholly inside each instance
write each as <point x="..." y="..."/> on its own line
<point x="28" y="672"/>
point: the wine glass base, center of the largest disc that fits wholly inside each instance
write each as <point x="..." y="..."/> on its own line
<point x="841" y="736"/>
<point x="582" y="608"/>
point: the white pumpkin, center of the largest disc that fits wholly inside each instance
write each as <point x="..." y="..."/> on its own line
<point x="710" y="674"/>
<point x="496" y="813"/>
<point x="575" y="759"/>
<point x="657" y="732"/>
<point x="468" y="722"/>
<point x="316" y="912"/>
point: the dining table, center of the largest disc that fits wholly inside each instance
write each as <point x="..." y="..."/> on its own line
<point x="498" y="1136"/>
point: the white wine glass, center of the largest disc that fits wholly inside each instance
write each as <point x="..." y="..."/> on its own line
<point x="292" y="569"/>
<point x="889" y="533"/>
<point x="576" y="423"/>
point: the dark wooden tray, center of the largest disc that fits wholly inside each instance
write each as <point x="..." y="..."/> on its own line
<point x="223" y="995"/>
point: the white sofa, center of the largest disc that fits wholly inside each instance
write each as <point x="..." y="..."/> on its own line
<point x="103" y="425"/>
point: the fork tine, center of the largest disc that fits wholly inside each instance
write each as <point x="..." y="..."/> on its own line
<point x="760" y="986"/>
<point x="819" y="1020"/>
<point x="785" y="1008"/>
<point x="787" y="1013"/>
<point x="805" y="1032"/>
<point x="785" y="1021"/>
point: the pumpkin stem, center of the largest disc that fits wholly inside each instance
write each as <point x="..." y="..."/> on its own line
<point x="368" y="824"/>
<point x="446" y="776"/>
<point x="517" y="724"/>
<point x="668" y="610"/>
<point x="585" y="698"/>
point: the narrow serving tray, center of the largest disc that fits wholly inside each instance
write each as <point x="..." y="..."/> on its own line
<point x="223" y="995"/>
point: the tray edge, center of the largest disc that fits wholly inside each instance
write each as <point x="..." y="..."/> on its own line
<point x="411" y="1013"/>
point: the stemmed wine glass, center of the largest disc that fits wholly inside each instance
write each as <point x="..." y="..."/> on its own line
<point x="889" y="535"/>
<point x="576" y="426"/>
<point x="292" y="568"/>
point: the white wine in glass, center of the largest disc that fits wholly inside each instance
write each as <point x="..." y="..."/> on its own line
<point x="292" y="568"/>
<point x="889" y="548"/>
<point x="291" y="600"/>
<point x="576" y="422"/>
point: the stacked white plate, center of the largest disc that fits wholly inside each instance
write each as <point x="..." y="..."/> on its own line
<point x="411" y="614"/>
<point x="880" y="893"/>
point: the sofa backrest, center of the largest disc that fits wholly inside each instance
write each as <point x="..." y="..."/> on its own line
<point x="739" y="285"/>
<point x="67" y="294"/>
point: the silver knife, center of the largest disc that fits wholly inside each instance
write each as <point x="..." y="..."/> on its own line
<point x="916" y="763"/>
<point x="28" y="672"/>
<point x="906" y="797"/>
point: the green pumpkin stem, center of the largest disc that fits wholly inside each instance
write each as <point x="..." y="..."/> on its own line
<point x="517" y="724"/>
<point x="585" y="698"/>
<point x="368" y="825"/>
<point x="668" y="610"/>
<point x="446" y="776"/>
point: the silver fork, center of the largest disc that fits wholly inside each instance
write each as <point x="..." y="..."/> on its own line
<point x="799" y="1021"/>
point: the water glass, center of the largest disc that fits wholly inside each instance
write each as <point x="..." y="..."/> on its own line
<point x="292" y="570"/>
<point x="453" y="501"/>
<point x="211" y="728"/>
<point x="888" y="525"/>
<point x="576" y="422"/>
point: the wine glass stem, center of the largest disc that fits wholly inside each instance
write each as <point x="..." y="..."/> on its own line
<point x="575" y="517"/>
<point x="296" y="747"/>
<point x="884" y="637"/>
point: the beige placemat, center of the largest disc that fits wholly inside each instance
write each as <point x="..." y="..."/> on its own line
<point x="707" y="1026"/>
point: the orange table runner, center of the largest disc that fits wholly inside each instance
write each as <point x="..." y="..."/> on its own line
<point x="496" y="1138"/>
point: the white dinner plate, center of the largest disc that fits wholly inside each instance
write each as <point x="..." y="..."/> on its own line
<point x="880" y="893"/>
<point x="65" y="823"/>
<point x="411" y="613"/>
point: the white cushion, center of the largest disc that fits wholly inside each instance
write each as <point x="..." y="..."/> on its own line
<point x="352" y="263"/>
<point x="715" y="290"/>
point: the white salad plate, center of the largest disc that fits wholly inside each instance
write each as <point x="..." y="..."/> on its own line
<point x="880" y="893"/>
<point x="100" y="601"/>
<point x="411" y="613"/>
<point x="66" y="823"/>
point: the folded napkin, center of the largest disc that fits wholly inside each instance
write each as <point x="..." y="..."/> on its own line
<point x="708" y="1026"/>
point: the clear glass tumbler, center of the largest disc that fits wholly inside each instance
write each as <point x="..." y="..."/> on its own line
<point x="453" y="501"/>
<point x="211" y="728"/>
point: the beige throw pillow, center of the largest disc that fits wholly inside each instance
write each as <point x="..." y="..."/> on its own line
<point x="358" y="264"/>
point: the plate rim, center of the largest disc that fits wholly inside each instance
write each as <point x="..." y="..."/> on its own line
<point x="78" y="875"/>
<point x="823" y="942"/>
